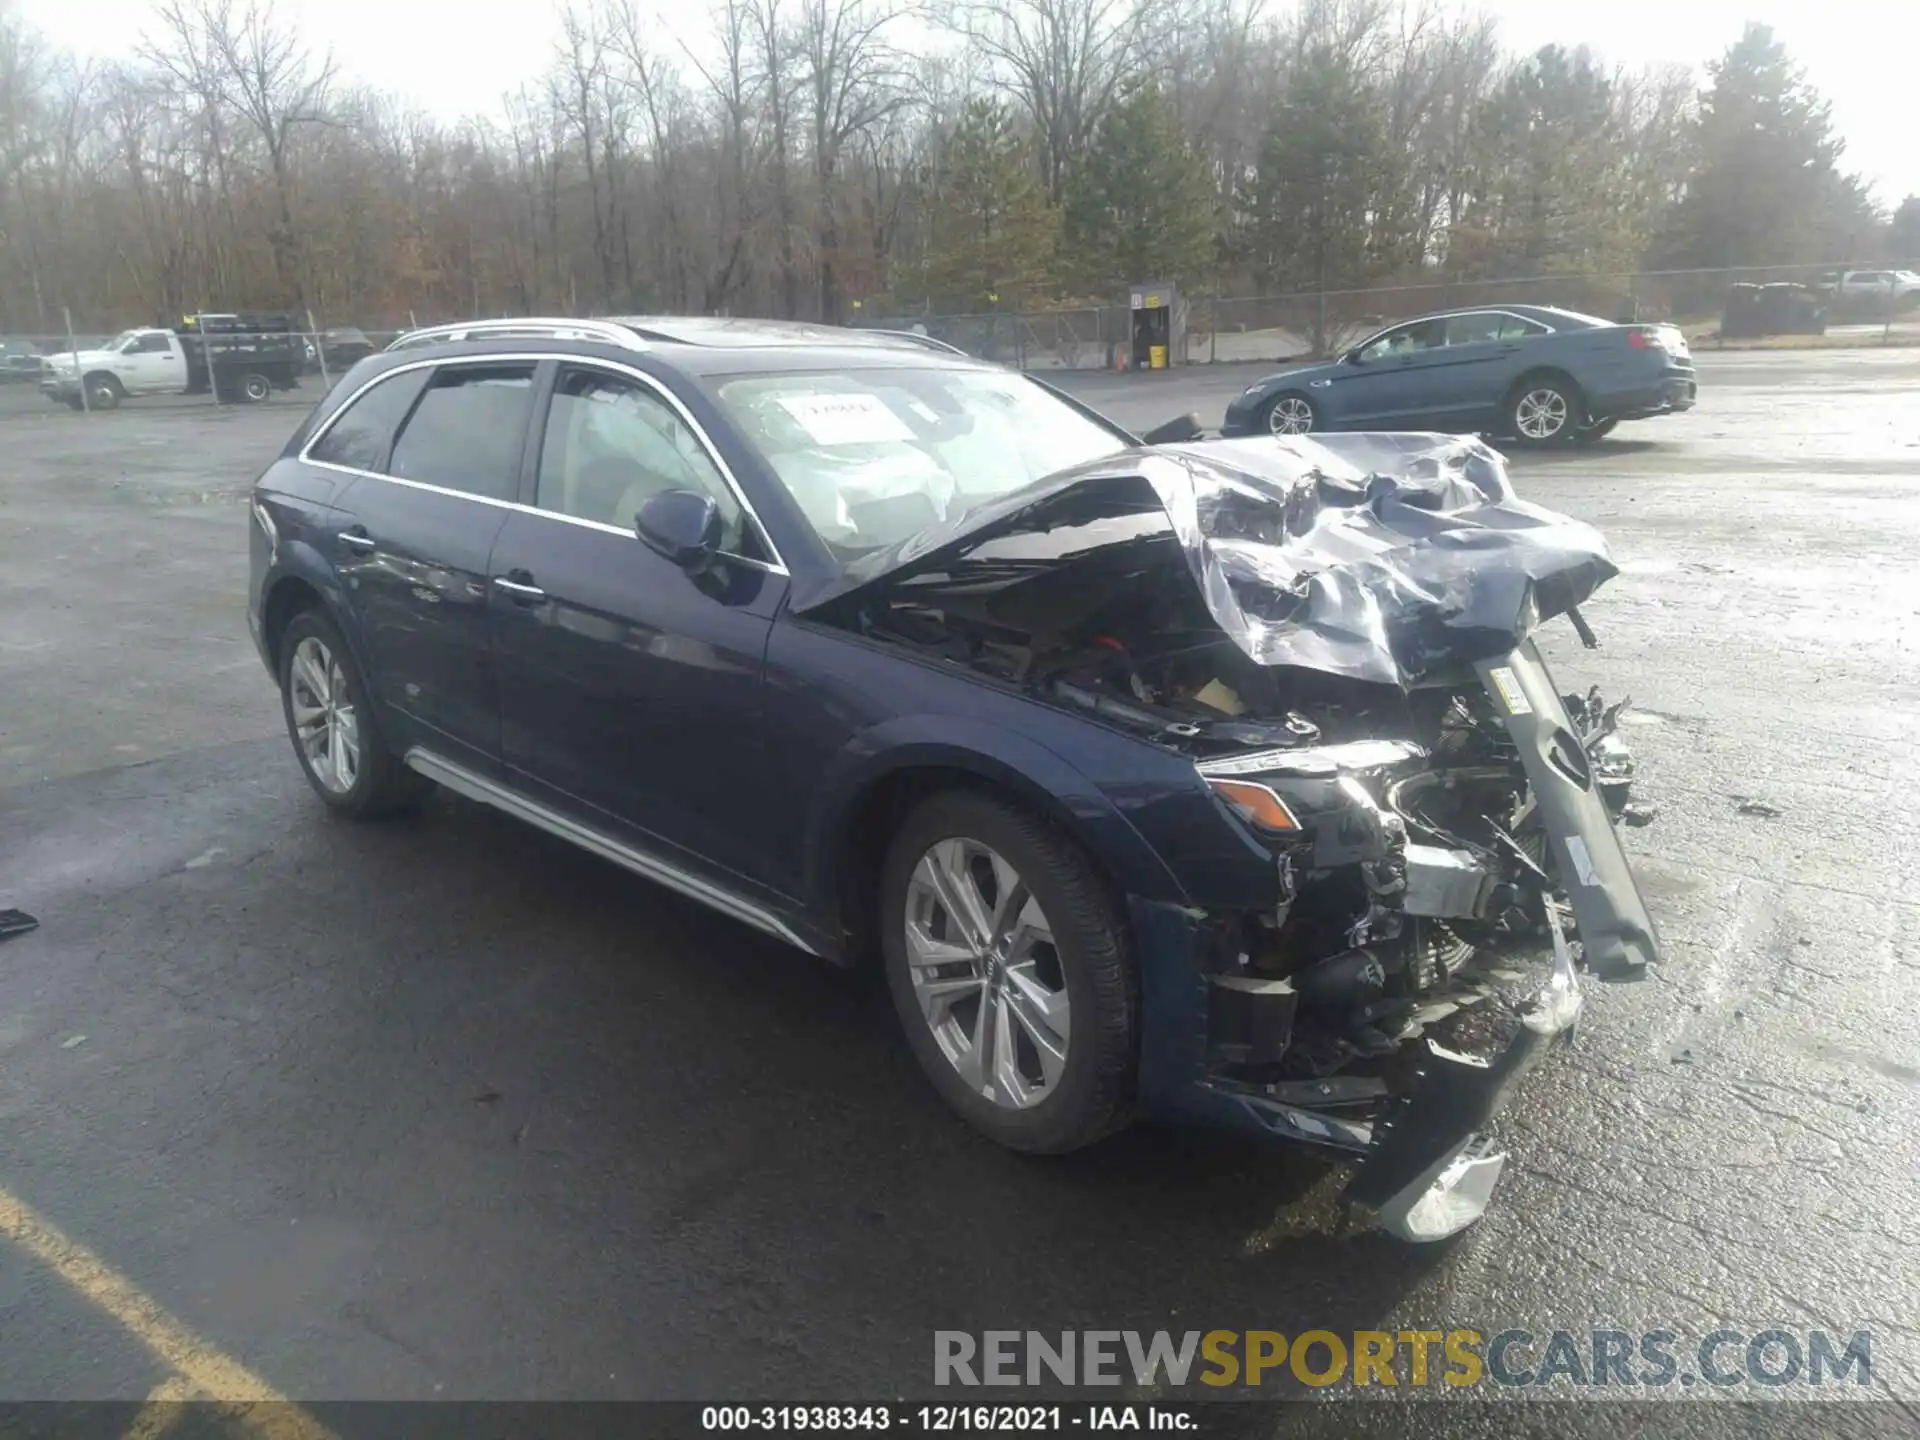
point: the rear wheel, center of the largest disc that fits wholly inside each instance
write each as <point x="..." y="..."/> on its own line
<point x="332" y="725"/>
<point x="255" y="388"/>
<point x="1291" y="413"/>
<point x="1544" y="410"/>
<point x="1600" y="429"/>
<point x="1011" y="971"/>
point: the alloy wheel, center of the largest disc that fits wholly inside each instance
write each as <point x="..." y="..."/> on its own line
<point x="986" y="973"/>
<point x="325" y="722"/>
<point x="1541" y="414"/>
<point x="1290" y="415"/>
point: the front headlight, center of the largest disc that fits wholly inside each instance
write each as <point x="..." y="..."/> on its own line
<point x="1252" y="390"/>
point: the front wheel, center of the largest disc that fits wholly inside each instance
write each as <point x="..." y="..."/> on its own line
<point x="1291" y="413"/>
<point x="1544" y="411"/>
<point x="1011" y="971"/>
<point x="104" y="392"/>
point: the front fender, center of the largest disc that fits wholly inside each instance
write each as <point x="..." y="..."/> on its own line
<point x="1043" y="778"/>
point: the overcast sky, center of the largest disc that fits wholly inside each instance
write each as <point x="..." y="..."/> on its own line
<point x="458" y="57"/>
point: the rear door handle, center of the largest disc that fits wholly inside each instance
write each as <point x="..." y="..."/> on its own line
<point x="523" y="591"/>
<point x="357" y="539"/>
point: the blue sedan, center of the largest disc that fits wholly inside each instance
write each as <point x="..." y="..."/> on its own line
<point x="1529" y="373"/>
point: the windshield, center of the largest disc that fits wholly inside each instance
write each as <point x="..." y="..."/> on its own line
<point x="871" y="456"/>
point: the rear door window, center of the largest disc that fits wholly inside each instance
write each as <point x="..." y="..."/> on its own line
<point x="360" y="437"/>
<point x="466" y="431"/>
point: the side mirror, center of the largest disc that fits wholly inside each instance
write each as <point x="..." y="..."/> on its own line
<point x="1187" y="427"/>
<point x="1353" y="357"/>
<point x="682" y="525"/>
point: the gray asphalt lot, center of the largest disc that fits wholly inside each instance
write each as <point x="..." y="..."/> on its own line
<point x="443" y="1108"/>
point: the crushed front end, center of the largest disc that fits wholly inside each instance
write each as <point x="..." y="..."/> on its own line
<point x="1440" y="891"/>
<point x="1335" y="638"/>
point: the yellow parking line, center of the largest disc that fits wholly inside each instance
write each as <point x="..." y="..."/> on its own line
<point x="161" y="1412"/>
<point x="197" y="1366"/>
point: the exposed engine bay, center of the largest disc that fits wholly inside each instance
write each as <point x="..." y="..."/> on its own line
<point x="1336" y="633"/>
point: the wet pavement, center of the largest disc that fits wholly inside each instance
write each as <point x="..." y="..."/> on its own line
<point x="441" y="1108"/>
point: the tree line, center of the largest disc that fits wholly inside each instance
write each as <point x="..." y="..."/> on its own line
<point x="828" y="159"/>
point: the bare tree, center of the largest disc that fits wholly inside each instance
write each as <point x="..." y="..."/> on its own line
<point x="854" y="82"/>
<point x="1063" y="59"/>
<point x="242" y="58"/>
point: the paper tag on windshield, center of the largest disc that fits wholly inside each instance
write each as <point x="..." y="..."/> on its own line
<point x="1508" y="684"/>
<point x="845" y="419"/>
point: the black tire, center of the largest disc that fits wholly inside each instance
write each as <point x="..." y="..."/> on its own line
<point x="1092" y="945"/>
<point x="1552" y="395"/>
<point x="1598" y="430"/>
<point x="255" y="388"/>
<point x="381" y="785"/>
<point x="104" y="392"/>
<point x="1271" y="413"/>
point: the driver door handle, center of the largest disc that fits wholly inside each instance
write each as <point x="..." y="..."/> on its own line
<point x="519" y="584"/>
<point x="357" y="539"/>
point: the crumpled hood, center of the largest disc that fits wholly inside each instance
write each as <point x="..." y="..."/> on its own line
<point x="1379" y="557"/>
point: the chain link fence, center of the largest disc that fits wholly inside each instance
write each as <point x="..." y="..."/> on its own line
<point x="143" y="369"/>
<point x="1302" y="325"/>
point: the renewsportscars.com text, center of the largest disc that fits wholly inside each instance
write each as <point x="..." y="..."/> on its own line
<point x="1610" y="1358"/>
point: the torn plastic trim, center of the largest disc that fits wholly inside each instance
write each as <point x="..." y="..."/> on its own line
<point x="1616" y="930"/>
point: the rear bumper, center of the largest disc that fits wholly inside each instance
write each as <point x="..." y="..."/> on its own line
<point x="1670" y="396"/>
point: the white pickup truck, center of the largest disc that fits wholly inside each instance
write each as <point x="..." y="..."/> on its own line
<point x="1866" y="287"/>
<point x="251" y="358"/>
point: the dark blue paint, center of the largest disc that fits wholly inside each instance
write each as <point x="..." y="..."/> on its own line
<point x="695" y="716"/>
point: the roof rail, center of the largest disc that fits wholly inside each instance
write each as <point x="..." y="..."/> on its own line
<point x="529" y="327"/>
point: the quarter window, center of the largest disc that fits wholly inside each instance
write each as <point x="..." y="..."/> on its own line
<point x="612" y="443"/>
<point x="466" y="431"/>
<point x="359" y="438"/>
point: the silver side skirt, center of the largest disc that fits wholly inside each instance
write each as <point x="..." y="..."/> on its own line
<point x="462" y="781"/>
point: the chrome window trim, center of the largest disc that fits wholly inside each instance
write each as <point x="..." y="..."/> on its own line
<point x="777" y="566"/>
<point x="479" y="788"/>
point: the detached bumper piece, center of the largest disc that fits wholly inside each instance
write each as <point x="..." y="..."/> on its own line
<point x="1427" y="1165"/>
<point x="1431" y="1168"/>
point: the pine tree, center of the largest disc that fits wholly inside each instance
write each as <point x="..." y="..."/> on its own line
<point x="1305" y="215"/>
<point x="1767" y="189"/>
<point x="1140" y="202"/>
<point x="994" y="237"/>
<point x="1906" y="231"/>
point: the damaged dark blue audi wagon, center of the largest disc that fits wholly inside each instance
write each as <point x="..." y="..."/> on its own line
<point x="1208" y="780"/>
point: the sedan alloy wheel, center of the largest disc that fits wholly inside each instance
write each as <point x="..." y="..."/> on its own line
<point x="1290" y="415"/>
<point x="1542" y="414"/>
